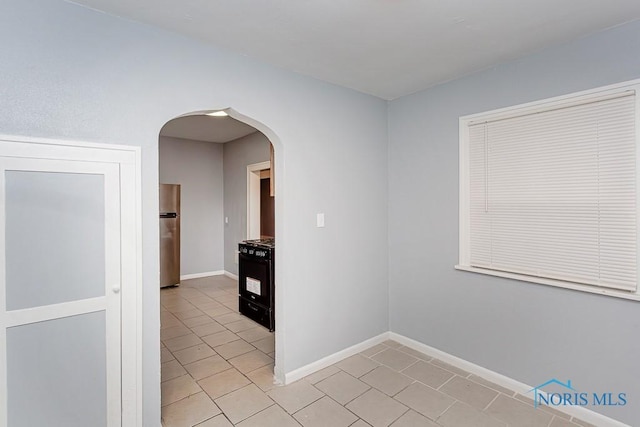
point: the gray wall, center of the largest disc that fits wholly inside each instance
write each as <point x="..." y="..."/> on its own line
<point x="238" y="154"/>
<point x="197" y="166"/>
<point x="526" y="331"/>
<point x="71" y="72"/>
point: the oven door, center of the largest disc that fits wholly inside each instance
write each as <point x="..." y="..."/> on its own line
<point x="255" y="279"/>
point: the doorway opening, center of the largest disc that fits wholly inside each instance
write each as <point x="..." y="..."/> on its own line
<point x="225" y="199"/>
<point x="260" y="201"/>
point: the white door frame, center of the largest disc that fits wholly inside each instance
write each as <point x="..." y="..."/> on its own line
<point x="128" y="158"/>
<point x="253" y="198"/>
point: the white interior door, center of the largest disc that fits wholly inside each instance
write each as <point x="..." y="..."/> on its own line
<point x="60" y="300"/>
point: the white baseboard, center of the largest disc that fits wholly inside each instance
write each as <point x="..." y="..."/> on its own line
<point x="208" y="274"/>
<point x="579" y="412"/>
<point x="200" y="275"/>
<point x="309" y="369"/>
<point x="231" y="275"/>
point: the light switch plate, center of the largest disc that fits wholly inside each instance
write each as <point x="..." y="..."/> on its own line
<point x="320" y="220"/>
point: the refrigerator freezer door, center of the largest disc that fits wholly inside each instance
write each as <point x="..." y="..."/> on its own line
<point x="169" y="198"/>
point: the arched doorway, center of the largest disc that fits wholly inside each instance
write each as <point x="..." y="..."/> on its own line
<point x="205" y="340"/>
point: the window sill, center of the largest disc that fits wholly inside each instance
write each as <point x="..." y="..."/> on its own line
<point x="634" y="296"/>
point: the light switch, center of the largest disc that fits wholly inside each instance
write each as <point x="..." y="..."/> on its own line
<point x="226" y="220"/>
<point x="320" y="220"/>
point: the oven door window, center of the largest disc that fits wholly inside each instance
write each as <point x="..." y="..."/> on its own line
<point x="253" y="286"/>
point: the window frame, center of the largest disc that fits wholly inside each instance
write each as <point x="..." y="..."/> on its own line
<point x="525" y="109"/>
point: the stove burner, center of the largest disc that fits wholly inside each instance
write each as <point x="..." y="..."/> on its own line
<point x="267" y="243"/>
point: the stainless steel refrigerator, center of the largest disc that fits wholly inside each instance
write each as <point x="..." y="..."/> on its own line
<point x="169" y="235"/>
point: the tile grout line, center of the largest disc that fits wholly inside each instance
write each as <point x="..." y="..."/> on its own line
<point x="448" y="407"/>
<point x="305" y="406"/>
<point x="353" y="376"/>
<point x="347" y="409"/>
<point x="492" y="400"/>
<point x="252" y="415"/>
<point x="446" y="382"/>
<point x="400" y="371"/>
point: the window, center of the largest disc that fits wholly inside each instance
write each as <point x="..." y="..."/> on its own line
<point x="548" y="191"/>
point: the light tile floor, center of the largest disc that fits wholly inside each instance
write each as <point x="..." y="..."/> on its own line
<point x="217" y="371"/>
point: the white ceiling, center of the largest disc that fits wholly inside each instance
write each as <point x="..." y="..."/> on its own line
<point x="387" y="48"/>
<point x="206" y="128"/>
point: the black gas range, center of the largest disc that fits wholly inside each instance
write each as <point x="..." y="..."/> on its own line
<point x="256" y="281"/>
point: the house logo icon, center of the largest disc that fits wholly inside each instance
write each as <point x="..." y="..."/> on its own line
<point x="538" y="392"/>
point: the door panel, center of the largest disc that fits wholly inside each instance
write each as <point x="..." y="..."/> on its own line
<point x="60" y="346"/>
<point x="56" y="378"/>
<point x="46" y="212"/>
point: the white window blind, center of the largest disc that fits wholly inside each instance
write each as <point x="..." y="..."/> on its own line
<point x="552" y="194"/>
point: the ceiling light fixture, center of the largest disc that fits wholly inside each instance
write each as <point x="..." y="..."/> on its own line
<point x="220" y="113"/>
